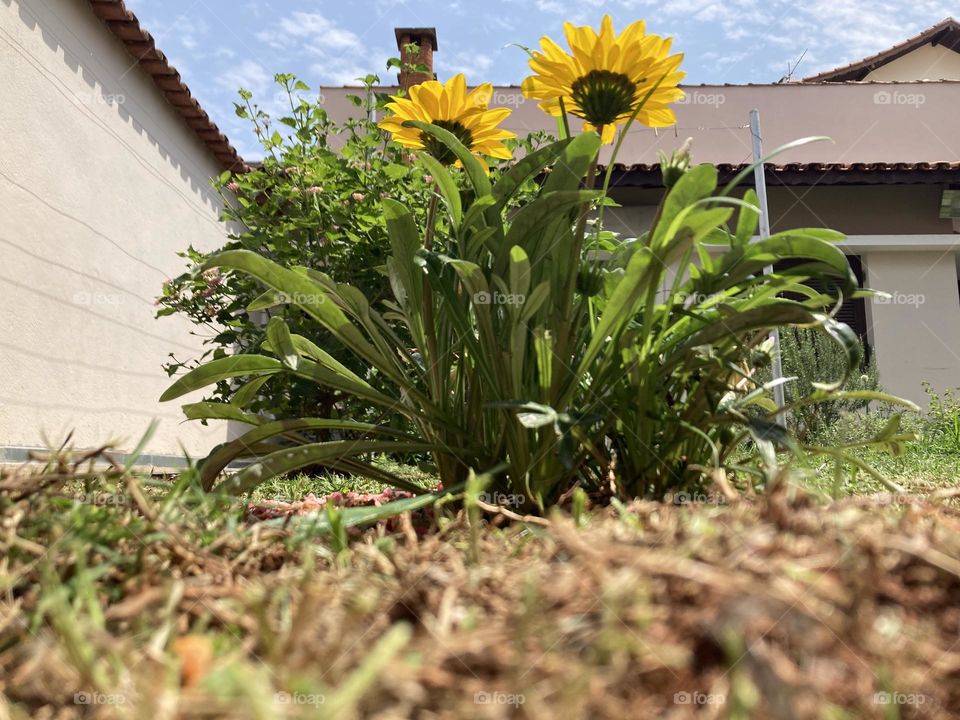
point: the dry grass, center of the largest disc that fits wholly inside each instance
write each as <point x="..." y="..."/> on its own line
<point x="168" y="606"/>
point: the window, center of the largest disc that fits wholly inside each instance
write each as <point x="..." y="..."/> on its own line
<point x="853" y="312"/>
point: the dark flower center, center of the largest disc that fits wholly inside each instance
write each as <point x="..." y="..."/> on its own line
<point x="603" y="96"/>
<point x="440" y="151"/>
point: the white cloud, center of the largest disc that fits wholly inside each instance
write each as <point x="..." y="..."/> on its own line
<point x="187" y="30"/>
<point x="311" y="32"/>
<point x="346" y="70"/>
<point x="246" y="74"/>
<point x="473" y="65"/>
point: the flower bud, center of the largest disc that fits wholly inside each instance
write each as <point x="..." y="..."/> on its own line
<point x="675" y="167"/>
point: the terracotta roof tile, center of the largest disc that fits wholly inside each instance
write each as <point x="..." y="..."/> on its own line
<point x="946" y="32"/>
<point x="813" y="173"/>
<point x="139" y="43"/>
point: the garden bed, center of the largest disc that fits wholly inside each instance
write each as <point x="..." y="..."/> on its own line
<point x="156" y="605"/>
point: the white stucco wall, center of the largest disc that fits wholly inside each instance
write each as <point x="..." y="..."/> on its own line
<point x="101" y="183"/>
<point x="927" y="62"/>
<point x="917" y="331"/>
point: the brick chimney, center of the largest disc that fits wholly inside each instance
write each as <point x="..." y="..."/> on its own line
<point x="426" y="39"/>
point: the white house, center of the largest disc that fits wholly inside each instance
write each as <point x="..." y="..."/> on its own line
<point x="105" y="163"/>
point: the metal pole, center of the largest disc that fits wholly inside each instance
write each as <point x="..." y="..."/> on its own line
<point x="761" y="184"/>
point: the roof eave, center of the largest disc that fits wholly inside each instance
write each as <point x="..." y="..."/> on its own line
<point x="125" y="26"/>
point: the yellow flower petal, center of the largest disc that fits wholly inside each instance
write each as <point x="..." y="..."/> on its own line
<point x="608" y="66"/>
<point x="450" y="106"/>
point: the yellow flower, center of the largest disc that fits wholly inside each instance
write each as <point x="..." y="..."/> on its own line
<point x="451" y="107"/>
<point x="605" y="77"/>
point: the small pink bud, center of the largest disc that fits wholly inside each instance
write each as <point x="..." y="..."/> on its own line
<point x="233" y="186"/>
<point x="428" y="178"/>
<point x="358" y="196"/>
<point x="314" y="189"/>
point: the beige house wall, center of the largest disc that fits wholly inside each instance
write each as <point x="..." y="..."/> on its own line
<point x="916" y="332"/>
<point x="907" y="251"/>
<point x="101" y="183"/>
<point x="927" y="62"/>
<point x="866" y="122"/>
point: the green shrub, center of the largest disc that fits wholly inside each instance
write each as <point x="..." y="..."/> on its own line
<point x="314" y="201"/>
<point x="558" y="386"/>
<point x="811" y="358"/>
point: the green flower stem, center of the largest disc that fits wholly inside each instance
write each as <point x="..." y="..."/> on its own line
<point x="429" y="330"/>
<point x="432" y="360"/>
<point x="588" y="183"/>
<point x="564" y="120"/>
<point x="616" y="152"/>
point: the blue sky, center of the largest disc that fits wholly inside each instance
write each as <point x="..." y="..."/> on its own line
<point x="221" y="45"/>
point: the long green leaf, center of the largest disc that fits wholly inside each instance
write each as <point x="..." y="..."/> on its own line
<point x="354" y="516"/>
<point x="299" y="290"/>
<point x="220" y="411"/>
<point x="226" y="453"/>
<point x="448" y="188"/>
<point x="739" y="177"/>
<point x="280" y="343"/>
<point x="570" y="169"/>
<point x="222" y="369"/>
<point x="526" y="169"/>
<point x="476" y="172"/>
<point x="287" y="460"/>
